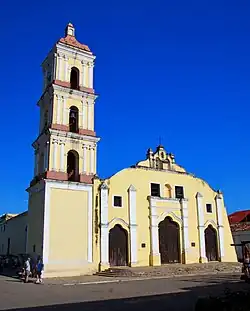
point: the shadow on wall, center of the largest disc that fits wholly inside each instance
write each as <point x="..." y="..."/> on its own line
<point x="185" y="300"/>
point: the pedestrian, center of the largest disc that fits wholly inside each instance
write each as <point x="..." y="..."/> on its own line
<point x="39" y="271"/>
<point x="27" y="270"/>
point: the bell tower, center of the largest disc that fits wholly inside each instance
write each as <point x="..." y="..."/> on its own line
<point x="60" y="215"/>
<point x="66" y="146"/>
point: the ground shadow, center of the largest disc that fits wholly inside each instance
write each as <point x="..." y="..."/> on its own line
<point x="184" y="300"/>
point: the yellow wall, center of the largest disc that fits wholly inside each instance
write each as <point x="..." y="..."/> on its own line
<point x="68" y="233"/>
<point x="36" y="221"/>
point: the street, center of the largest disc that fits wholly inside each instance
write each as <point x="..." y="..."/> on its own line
<point x="160" y="294"/>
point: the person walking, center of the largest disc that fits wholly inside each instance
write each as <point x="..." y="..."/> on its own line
<point x="39" y="270"/>
<point x="27" y="270"/>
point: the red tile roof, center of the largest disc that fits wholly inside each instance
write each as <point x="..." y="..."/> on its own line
<point x="237" y="217"/>
<point x="70" y="40"/>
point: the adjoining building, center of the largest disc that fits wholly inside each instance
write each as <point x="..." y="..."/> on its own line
<point x="13" y="233"/>
<point x="149" y="214"/>
<point x="240" y="227"/>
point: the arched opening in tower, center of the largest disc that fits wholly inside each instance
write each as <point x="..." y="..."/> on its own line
<point x="73" y="166"/>
<point x="73" y="119"/>
<point x="74" y="78"/>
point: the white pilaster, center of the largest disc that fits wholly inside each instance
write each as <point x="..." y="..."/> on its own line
<point x="89" y="115"/>
<point x="82" y="74"/>
<point x="59" y="72"/>
<point x="154" y="229"/>
<point x="91" y="68"/>
<point x="65" y="110"/>
<point x="104" y="226"/>
<point x="54" y="66"/>
<point x="219" y="207"/>
<point x="200" y="213"/>
<point x="132" y="223"/>
<point x="65" y="68"/>
<point x="54" y="155"/>
<point x="58" y="114"/>
<point x="84" y="155"/>
<point x="62" y="157"/>
<point x="92" y="159"/>
<point x="184" y="210"/>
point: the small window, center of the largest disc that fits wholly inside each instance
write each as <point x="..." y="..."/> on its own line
<point x="155" y="190"/>
<point x="209" y="208"/>
<point x="117" y="201"/>
<point x="34" y="248"/>
<point x="179" y="193"/>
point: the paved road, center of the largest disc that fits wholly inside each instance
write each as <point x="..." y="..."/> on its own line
<point x="161" y="294"/>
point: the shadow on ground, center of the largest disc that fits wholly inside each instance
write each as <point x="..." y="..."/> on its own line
<point x="185" y="300"/>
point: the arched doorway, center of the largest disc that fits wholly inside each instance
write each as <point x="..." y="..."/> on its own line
<point x="118" y="246"/>
<point x="169" y="241"/>
<point x="211" y="244"/>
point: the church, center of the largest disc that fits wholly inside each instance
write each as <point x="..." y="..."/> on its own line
<point x="149" y="214"/>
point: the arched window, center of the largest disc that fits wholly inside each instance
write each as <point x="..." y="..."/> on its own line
<point x="73" y="119"/>
<point x="73" y="165"/>
<point x="74" y="78"/>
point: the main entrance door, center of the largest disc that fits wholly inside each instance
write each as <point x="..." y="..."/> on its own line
<point x="211" y="244"/>
<point x="118" y="246"/>
<point x="169" y="241"/>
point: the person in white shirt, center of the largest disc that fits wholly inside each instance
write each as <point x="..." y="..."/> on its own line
<point x="27" y="270"/>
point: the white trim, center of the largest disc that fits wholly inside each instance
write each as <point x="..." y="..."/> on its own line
<point x="70" y="135"/>
<point x="113" y="201"/>
<point x="74" y="94"/>
<point x="91" y="159"/>
<point x="171" y="215"/>
<point x="88" y="116"/>
<point x="185" y="227"/>
<point x="154" y="247"/>
<point x="54" y="155"/>
<point x="132" y="223"/>
<point x="73" y="51"/>
<point x="219" y="206"/>
<point x="116" y="220"/>
<point x="90" y="76"/>
<point x="200" y="212"/>
<point x="65" y="110"/>
<point x="66" y="186"/>
<point x="84" y="164"/>
<point x="62" y="157"/>
<point x="58" y="115"/>
<point x="65" y="68"/>
<point x="210" y="222"/>
<point x="104" y="225"/>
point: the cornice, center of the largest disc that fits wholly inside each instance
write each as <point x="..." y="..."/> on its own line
<point x="70" y="135"/>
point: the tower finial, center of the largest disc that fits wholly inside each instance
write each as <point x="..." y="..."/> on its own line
<point x="70" y="30"/>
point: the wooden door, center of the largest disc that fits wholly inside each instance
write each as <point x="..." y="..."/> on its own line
<point x="211" y="244"/>
<point x="169" y="241"/>
<point x="118" y="246"/>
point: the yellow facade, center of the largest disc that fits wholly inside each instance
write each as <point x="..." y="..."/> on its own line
<point x="81" y="224"/>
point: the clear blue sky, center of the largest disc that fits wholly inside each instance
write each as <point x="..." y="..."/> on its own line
<point x="175" y="69"/>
